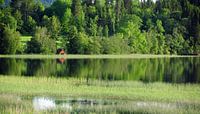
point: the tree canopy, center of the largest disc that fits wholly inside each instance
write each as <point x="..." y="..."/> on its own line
<point x="137" y="26"/>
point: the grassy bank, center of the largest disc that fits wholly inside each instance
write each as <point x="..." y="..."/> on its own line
<point x="128" y="90"/>
<point x="70" y="56"/>
<point x="137" y="96"/>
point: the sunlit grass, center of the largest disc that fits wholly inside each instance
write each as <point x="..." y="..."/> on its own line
<point x="128" y="90"/>
<point x="27" y="87"/>
<point x="25" y="38"/>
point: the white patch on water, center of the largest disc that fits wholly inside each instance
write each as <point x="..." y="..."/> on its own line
<point x="42" y="103"/>
<point x="156" y="104"/>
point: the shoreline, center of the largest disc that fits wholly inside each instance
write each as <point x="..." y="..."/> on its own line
<point x="73" y="56"/>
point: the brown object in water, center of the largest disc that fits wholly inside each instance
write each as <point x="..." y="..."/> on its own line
<point x="60" y="51"/>
<point x="61" y="60"/>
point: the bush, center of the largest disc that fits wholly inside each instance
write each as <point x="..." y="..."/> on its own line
<point x="9" y="41"/>
<point x="115" y="45"/>
<point x="41" y="42"/>
<point x="94" y="46"/>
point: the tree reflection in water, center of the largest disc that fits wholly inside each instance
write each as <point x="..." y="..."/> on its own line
<point x="171" y="70"/>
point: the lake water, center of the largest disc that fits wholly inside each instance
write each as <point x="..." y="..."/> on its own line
<point x="169" y="70"/>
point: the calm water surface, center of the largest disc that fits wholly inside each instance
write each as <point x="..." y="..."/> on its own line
<point x="170" y="70"/>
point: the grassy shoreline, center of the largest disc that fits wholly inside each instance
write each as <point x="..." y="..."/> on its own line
<point x="71" y="56"/>
<point x="17" y="94"/>
<point x="124" y="90"/>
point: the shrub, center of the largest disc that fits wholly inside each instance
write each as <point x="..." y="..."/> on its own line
<point x="41" y="42"/>
<point x="9" y="41"/>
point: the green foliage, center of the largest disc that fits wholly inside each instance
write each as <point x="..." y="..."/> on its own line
<point x="41" y="42"/>
<point x="9" y="41"/>
<point x="100" y="3"/>
<point x="197" y="36"/>
<point x="66" y="21"/>
<point x="58" y="8"/>
<point x="120" y="9"/>
<point x="152" y="41"/>
<point x="92" y="30"/>
<point x="10" y="21"/>
<point x="1" y="1"/>
<point x="130" y="26"/>
<point x="7" y="19"/>
<point x="106" y="31"/>
<point x="94" y="46"/>
<point x="161" y="27"/>
<point x="71" y="36"/>
<point x="176" y="42"/>
<point x="26" y="7"/>
<point x="53" y="25"/>
<point x="91" y="10"/>
<point x="18" y="16"/>
<point x="29" y="26"/>
<point x="161" y="38"/>
<point x="79" y="43"/>
<point x="115" y="45"/>
<point x="78" y="14"/>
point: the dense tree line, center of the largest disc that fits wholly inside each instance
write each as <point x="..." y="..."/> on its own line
<point x="101" y="26"/>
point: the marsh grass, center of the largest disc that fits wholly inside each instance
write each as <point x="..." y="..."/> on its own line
<point x="12" y="104"/>
<point x="125" y="90"/>
<point x="17" y="92"/>
<point x="20" y="107"/>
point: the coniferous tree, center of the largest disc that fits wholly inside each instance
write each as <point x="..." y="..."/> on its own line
<point x="78" y="14"/>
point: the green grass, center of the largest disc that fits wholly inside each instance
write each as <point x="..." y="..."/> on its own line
<point x="25" y="38"/>
<point x="130" y="91"/>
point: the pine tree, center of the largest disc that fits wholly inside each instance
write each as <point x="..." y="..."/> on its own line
<point x="79" y="15"/>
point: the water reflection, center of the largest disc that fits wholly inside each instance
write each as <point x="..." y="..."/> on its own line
<point x="172" y="70"/>
<point x="61" y="60"/>
<point x="42" y="104"/>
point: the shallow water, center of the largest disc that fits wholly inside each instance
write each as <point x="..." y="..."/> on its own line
<point x="170" y="70"/>
<point x="45" y="103"/>
<point x="42" y="104"/>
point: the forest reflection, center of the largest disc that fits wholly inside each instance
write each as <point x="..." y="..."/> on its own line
<point x="171" y="70"/>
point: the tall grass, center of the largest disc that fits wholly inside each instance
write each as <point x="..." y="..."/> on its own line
<point x="99" y="89"/>
<point x="131" y="92"/>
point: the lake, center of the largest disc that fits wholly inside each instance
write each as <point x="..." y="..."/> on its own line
<point x="169" y="70"/>
<point x="123" y="85"/>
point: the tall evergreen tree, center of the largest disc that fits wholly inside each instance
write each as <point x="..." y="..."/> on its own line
<point x="79" y="15"/>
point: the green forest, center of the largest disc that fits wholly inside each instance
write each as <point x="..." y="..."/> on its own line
<point x="100" y="27"/>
